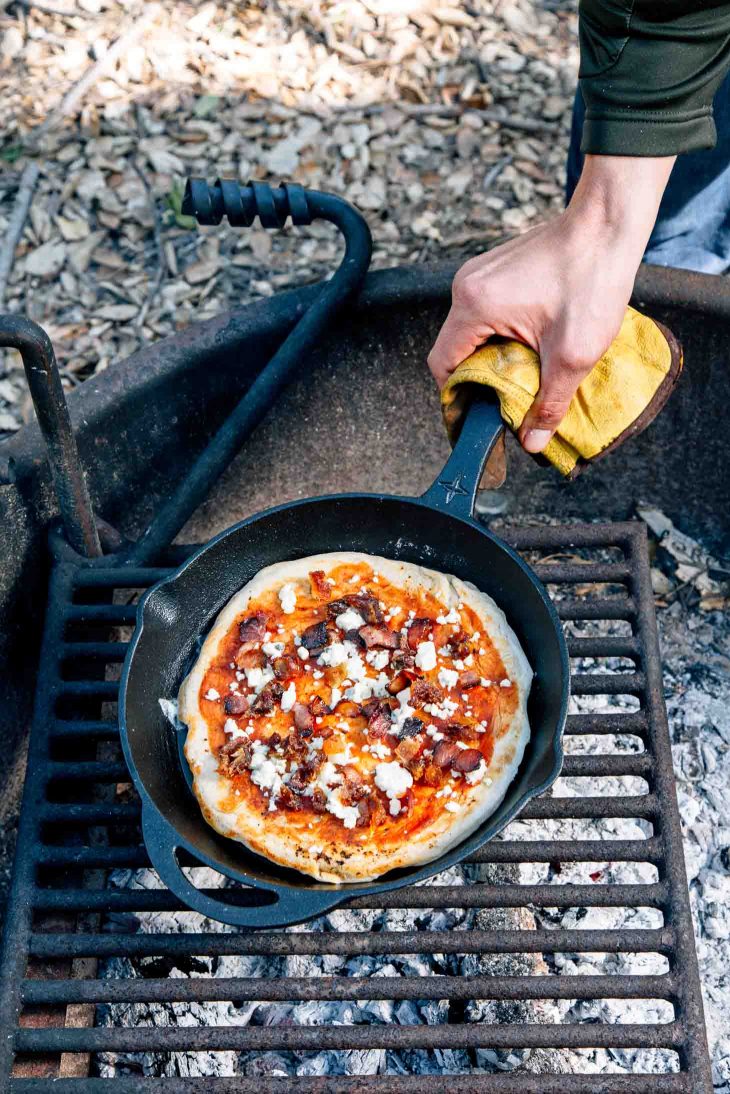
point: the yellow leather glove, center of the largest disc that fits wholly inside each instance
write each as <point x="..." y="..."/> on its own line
<point x="622" y="394"/>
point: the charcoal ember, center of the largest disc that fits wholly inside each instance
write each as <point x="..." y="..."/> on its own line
<point x="235" y="757"/>
<point x="267" y="698"/>
<point x="303" y="717"/>
<point x="253" y="629"/>
<point x="445" y="753"/>
<point x="468" y="679"/>
<point x="318" y="707"/>
<point x="315" y="638"/>
<point x="286" y="666"/>
<point x="424" y="692"/>
<point x="410" y="727"/>
<point x="235" y="704"/>
<point x="320" y="585"/>
<point x="378" y="637"/>
<point x="418" y="632"/>
<point x="468" y="759"/>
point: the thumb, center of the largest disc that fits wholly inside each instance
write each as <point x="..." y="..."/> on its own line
<point x="560" y="377"/>
<point x="458" y="338"/>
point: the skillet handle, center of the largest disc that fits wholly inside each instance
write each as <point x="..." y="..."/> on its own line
<point x="455" y="490"/>
<point x="290" y="906"/>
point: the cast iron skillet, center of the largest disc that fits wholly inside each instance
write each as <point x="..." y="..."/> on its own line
<point x="436" y="530"/>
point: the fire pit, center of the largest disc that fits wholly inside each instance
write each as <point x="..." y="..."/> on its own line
<point x="457" y="982"/>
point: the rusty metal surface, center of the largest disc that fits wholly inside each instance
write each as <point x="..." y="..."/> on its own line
<point x="65" y="796"/>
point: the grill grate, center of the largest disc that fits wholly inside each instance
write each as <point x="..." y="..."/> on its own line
<point x="79" y="821"/>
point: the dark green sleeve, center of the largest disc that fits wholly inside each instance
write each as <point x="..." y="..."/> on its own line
<point x="648" y="73"/>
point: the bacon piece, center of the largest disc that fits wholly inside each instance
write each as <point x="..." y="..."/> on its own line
<point x="253" y="629"/>
<point x="410" y="727"/>
<point x="356" y="639"/>
<point x="403" y="661"/>
<point x="235" y="756"/>
<point x="378" y="716"/>
<point x="346" y="708"/>
<point x="321" y="588"/>
<point x="461" y="730"/>
<point x="424" y="692"/>
<point x="378" y="637"/>
<point x="459" y="645"/>
<point x="370" y="811"/>
<point x="267" y="698"/>
<point x="417" y="768"/>
<point x="235" y="704"/>
<point x="432" y="775"/>
<point x="274" y="740"/>
<point x="319" y="801"/>
<point x="286" y="666"/>
<point x="304" y="774"/>
<point x="288" y="800"/>
<point x="250" y="656"/>
<point x="468" y="679"/>
<point x="398" y="683"/>
<point x="365" y="603"/>
<point x="467" y="760"/>
<point x="418" y="632"/>
<point x="407" y="749"/>
<point x="407" y="801"/>
<point x="303" y="717"/>
<point x="354" y="790"/>
<point x="315" y="637"/>
<point x="445" y="753"/>
<point x="318" y="707"/>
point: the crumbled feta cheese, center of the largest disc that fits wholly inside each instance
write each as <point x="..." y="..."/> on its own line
<point x="469" y="661"/>
<point x="273" y="649"/>
<point x="212" y="694"/>
<point x="380" y="750"/>
<point x="288" y="598"/>
<point x="445" y="651"/>
<point x="348" y="814"/>
<point x="484" y="682"/>
<point x="234" y="686"/>
<point x="289" y="698"/>
<point x="452" y="616"/>
<point x="317" y="675"/>
<point x="378" y="658"/>
<point x="393" y="779"/>
<point x="316" y="742"/>
<point x="478" y="774"/>
<point x="405" y="710"/>
<point x="257" y="678"/>
<point x="426" y="656"/>
<point x="393" y="807"/>
<point x="336" y="654"/>
<point x="230" y="726"/>
<point x="453" y="807"/>
<point x="459" y="664"/>
<point x="349" y="620"/>
<point x="447" y="678"/>
<point x="303" y="653"/>
<point x="505" y="683"/>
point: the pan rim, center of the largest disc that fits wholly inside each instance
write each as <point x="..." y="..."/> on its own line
<point x="412" y="875"/>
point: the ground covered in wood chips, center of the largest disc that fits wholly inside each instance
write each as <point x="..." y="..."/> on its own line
<point x="445" y="123"/>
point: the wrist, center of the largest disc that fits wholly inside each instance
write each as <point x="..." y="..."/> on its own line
<point x="617" y="198"/>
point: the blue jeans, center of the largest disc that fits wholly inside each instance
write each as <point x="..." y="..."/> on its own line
<point x="692" y="230"/>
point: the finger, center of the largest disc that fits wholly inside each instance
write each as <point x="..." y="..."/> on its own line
<point x="559" y="382"/>
<point x="457" y="339"/>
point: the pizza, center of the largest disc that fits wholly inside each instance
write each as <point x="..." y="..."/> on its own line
<point x="350" y="714"/>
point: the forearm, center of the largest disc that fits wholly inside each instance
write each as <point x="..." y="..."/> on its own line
<point x="649" y="71"/>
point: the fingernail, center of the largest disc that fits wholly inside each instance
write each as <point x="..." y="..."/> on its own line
<point x="536" y="439"/>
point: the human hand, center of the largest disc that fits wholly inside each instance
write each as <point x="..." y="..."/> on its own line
<point x="561" y="288"/>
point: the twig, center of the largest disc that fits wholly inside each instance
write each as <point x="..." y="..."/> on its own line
<point x="159" y="247"/>
<point x="441" y="110"/>
<point x="23" y="198"/>
<point x="76" y="93"/>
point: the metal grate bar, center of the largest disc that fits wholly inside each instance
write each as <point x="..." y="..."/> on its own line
<point x="66" y="843"/>
<point x="344" y="943"/>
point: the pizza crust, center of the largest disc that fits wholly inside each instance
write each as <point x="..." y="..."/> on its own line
<point x="267" y="834"/>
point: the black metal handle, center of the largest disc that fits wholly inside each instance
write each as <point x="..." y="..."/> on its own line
<point x="455" y="489"/>
<point x="241" y="204"/>
<point x="290" y="906"/>
<point x="49" y="401"/>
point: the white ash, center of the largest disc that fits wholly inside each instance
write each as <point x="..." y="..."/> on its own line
<point x="695" y="645"/>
